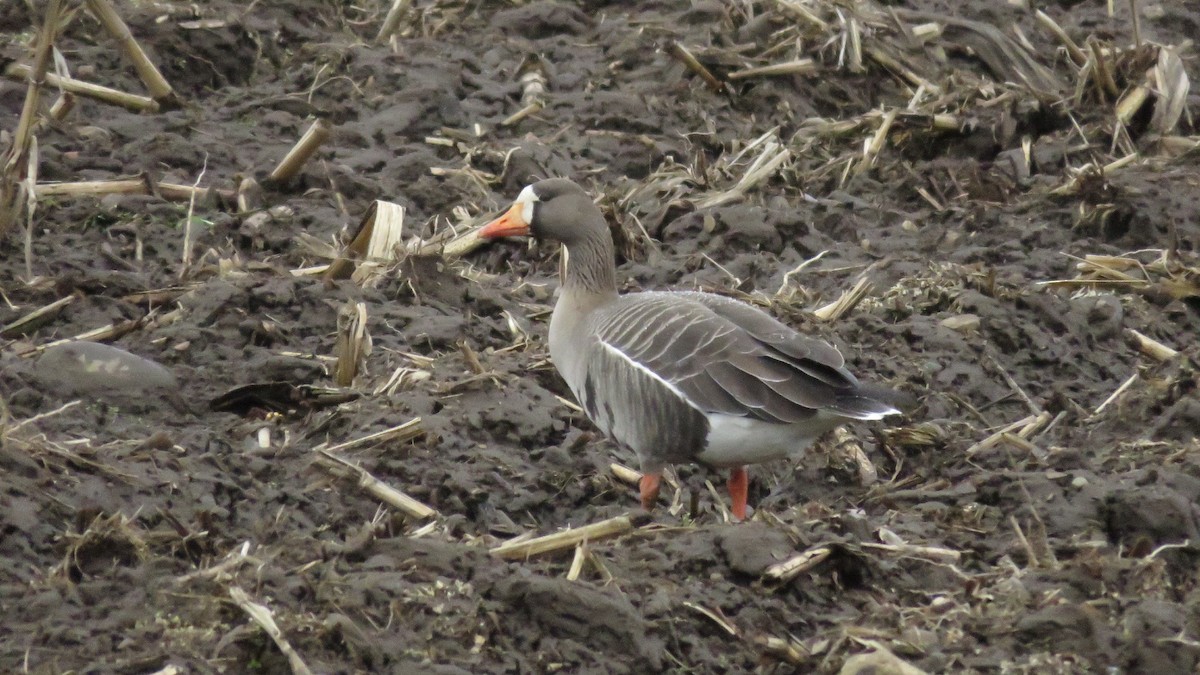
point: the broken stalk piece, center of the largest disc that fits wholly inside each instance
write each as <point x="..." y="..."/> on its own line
<point x="565" y="540"/>
<point x="134" y="102"/>
<point x="380" y="490"/>
<point x="299" y="155"/>
<point x="155" y="83"/>
<point x="18" y="166"/>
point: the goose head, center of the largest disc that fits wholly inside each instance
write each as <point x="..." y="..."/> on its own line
<point x="556" y="209"/>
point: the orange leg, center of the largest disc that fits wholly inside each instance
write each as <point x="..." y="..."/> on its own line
<point x="739" y="489"/>
<point x="648" y="486"/>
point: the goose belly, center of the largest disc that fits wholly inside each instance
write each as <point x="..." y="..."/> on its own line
<point x="736" y="441"/>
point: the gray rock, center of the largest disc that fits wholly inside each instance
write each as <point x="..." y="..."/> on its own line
<point x="102" y="372"/>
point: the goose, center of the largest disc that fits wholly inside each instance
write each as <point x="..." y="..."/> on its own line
<point x="681" y="376"/>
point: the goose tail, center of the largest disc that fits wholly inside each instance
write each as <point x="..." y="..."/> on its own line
<point x="872" y="402"/>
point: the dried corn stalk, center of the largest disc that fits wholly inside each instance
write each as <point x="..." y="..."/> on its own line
<point x="1171" y="88"/>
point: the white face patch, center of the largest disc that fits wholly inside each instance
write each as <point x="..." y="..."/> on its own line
<point x="527" y="199"/>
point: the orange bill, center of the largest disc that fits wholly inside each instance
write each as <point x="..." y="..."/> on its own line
<point x="511" y="224"/>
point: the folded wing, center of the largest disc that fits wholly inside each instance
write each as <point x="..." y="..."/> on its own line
<point x="722" y="356"/>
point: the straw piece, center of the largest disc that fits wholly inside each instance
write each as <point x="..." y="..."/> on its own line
<point x="533" y="80"/>
<point x="262" y="616"/>
<point x="222" y="570"/>
<point x="796" y="67"/>
<point x="1034" y="408"/>
<point x="625" y="474"/>
<point x="845" y="303"/>
<point x="1022" y="429"/>
<point x="32" y="421"/>
<point x="717" y="617"/>
<point x="854" y="56"/>
<point x="1051" y="25"/>
<point x="472" y="358"/>
<point x="385" y="241"/>
<point x="249" y="195"/>
<point x="1034" y="426"/>
<point x="186" y="256"/>
<point x="1030" y="554"/>
<point x="581" y="556"/>
<point x="924" y="32"/>
<point x="1171" y="88"/>
<point x="882" y="660"/>
<point x="1072" y="185"/>
<point x="1102" y="70"/>
<point x="149" y="74"/>
<point x="565" y="540"/>
<point x="531" y="109"/>
<point x="392" y="21"/>
<point x="1116" y="394"/>
<point x="1137" y="23"/>
<point x="203" y="24"/>
<point x="801" y="12"/>
<point x="380" y="490"/>
<point x="885" y="60"/>
<point x="1099" y="263"/>
<point x="765" y="165"/>
<point x="176" y="192"/>
<point x="1131" y="102"/>
<point x="946" y="122"/>
<point x="20" y="71"/>
<point x="106" y="333"/>
<point x="456" y="247"/>
<point x="397" y="434"/>
<point x="94" y="187"/>
<point x="378" y="239"/>
<point x="1151" y="347"/>
<point x="62" y="106"/>
<point x="871" y="152"/>
<point x="797" y="565"/>
<point x="935" y="553"/>
<point x="787" y="650"/>
<point x="35" y="319"/>
<point x="290" y="165"/>
<point x="848" y="446"/>
<point x="130" y="186"/>
<point x="352" y="344"/>
<point x="680" y="52"/>
<point x="17" y="168"/>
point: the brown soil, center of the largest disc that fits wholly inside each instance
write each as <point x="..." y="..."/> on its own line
<point x="122" y="518"/>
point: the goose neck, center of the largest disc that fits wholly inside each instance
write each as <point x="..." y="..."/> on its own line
<point x="590" y="267"/>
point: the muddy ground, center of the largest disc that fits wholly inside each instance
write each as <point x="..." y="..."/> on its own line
<point x="126" y="521"/>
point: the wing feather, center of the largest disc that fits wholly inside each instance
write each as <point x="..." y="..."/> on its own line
<point x="722" y="356"/>
<point x="770" y="331"/>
